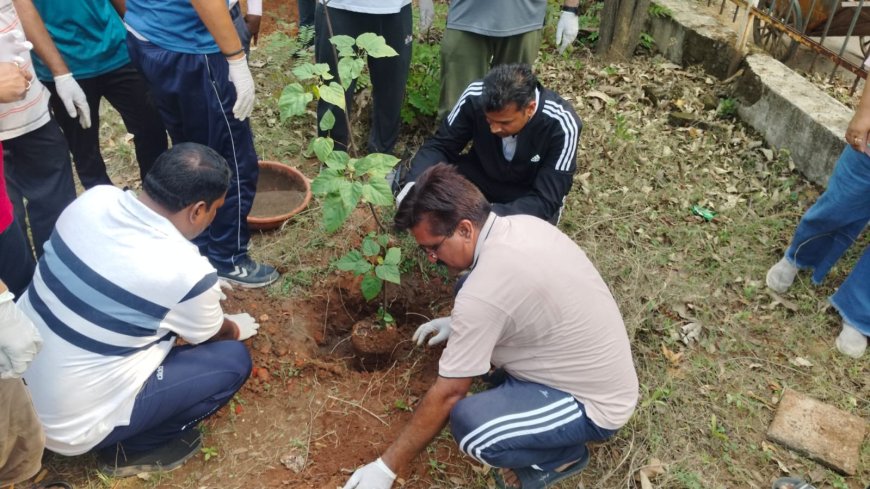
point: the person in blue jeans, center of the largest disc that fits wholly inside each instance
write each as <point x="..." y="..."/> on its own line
<point x="827" y="230"/>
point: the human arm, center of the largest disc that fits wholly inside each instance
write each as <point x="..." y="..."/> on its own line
<point x="569" y="24"/>
<point x="858" y="132"/>
<point x="68" y="90"/>
<point x="120" y="7"/>
<point x="428" y="420"/>
<point x="252" y="18"/>
<point x="217" y="20"/>
<point x="14" y="82"/>
<point x="19" y="339"/>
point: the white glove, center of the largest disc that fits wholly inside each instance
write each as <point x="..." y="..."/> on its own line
<point x="73" y="98"/>
<point x="441" y="326"/>
<point x="427" y="14"/>
<point x="240" y="76"/>
<point x="566" y="31"/>
<point x="19" y="339"/>
<point x="224" y="285"/>
<point x="375" y="475"/>
<point x="15" y="39"/>
<point x="246" y="323"/>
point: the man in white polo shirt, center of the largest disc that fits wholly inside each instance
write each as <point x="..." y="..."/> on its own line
<point x="118" y="283"/>
<point x="533" y="307"/>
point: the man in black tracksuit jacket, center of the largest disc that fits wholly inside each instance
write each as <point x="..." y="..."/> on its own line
<point x="524" y="143"/>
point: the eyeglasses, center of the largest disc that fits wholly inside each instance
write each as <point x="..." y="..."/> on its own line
<point x="433" y="250"/>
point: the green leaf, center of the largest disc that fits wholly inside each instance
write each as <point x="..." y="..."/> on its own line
<point x="350" y="193"/>
<point x="342" y="41"/>
<point x="384" y="239"/>
<point x="337" y="160"/>
<point x="327" y="181"/>
<point x="322" y="147"/>
<point x="376" y="165"/>
<point x="354" y="262"/>
<point x="334" y="212"/>
<point x="371" y="286"/>
<point x="394" y="256"/>
<point x="390" y="273"/>
<point x="370" y="247"/>
<point x="374" y="45"/>
<point x="349" y="69"/>
<point x="293" y="101"/>
<point x="308" y="71"/>
<point x="333" y="94"/>
<point x="327" y="122"/>
<point x="377" y="192"/>
<point x="389" y="319"/>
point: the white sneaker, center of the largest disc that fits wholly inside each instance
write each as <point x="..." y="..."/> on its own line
<point x="781" y="275"/>
<point x="851" y="342"/>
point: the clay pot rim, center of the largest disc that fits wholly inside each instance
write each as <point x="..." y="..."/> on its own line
<point x="273" y="222"/>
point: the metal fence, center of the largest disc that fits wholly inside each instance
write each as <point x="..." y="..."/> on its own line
<point x="836" y="30"/>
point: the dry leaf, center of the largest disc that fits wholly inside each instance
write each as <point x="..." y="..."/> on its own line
<point x="800" y="362"/>
<point x="673" y="358"/>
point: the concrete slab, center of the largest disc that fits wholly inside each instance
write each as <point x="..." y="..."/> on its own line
<point x="789" y="111"/>
<point x="793" y="113"/>
<point x="824" y="433"/>
<point x="692" y="37"/>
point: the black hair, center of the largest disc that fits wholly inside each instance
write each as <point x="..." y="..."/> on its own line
<point x="508" y="84"/>
<point x="185" y="174"/>
<point x="444" y="197"/>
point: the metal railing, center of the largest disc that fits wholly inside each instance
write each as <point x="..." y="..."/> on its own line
<point x="827" y="27"/>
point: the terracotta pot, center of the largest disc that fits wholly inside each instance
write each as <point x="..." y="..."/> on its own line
<point x="277" y="178"/>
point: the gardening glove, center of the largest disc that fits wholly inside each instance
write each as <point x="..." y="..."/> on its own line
<point x="19" y="339"/>
<point x="224" y="285"/>
<point x="15" y="40"/>
<point x="441" y="326"/>
<point x="427" y="14"/>
<point x="73" y="99"/>
<point x="566" y="31"/>
<point x="246" y="323"/>
<point x="240" y="76"/>
<point x="375" y="475"/>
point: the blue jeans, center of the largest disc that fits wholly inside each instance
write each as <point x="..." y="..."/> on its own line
<point x="830" y="226"/>
<point x="521" y="424"/>
<point x="192" y="384"/>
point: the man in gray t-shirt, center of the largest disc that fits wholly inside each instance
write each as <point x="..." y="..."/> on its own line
<point x="485" y="33"/>
<point x="532" y="306"/>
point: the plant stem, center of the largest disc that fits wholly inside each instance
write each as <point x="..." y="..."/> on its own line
<point x="351" y="147"/>
<point x="377" y="221"/>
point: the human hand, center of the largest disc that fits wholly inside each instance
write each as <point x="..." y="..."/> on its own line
<point x="224" y="285"/>
<point x="441" y="326"/>
<point x="19" y="44"/>
<point x="858" y="132"/>
<point x="427" y="14"/>
<point x="73" y="98"/>
<point x="375" y="475"/>
<point x="253" y="23"/>
<point x="566" y="30"/>
<point x="240" y="76"/>
<point x="246" y="324"/>
<point x="14" y="82"/>
<point x="19" y="339"/>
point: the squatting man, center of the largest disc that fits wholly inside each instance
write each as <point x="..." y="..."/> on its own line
<point x="535" y="319"/>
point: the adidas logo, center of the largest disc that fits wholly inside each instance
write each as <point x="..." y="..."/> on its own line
<point x="536" y="158"/>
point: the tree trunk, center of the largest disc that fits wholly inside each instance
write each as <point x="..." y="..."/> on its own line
<point x="621" y="24"/>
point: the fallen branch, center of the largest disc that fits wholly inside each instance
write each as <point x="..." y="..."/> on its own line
<point x="360" y="407"/>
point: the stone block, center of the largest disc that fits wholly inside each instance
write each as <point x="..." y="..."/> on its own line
<point x="820" y="431"/>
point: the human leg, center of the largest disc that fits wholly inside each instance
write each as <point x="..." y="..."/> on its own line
<point x="389" y="78"/>
<point x="834" y="222"/>
<point x="128" y="93"/>
<point x="17" y="265"/>
<point x="852" y="301"/>
<point x="38" y="169"/>
<point x="465" y="57"/>
<point x="241" y="27"/>
<point x="21" y="437"/>
<point x="84" y="144"/>
<point x="306" y="12"/>
<point x="523" y="424"/>
<point x="521" y="48"/>
<point x="347" y="23"/>
<point x="192" y="384"/>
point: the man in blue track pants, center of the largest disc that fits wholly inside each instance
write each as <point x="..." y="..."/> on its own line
<point x="118" y="283"/>
<point x="193" y="60"/>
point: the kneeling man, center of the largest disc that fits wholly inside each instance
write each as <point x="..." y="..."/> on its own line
<point x="118" y="283"/>
<point x="533" y="307"/>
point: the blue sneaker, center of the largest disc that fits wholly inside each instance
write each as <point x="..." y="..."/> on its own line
<point x="249" y="274"/>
